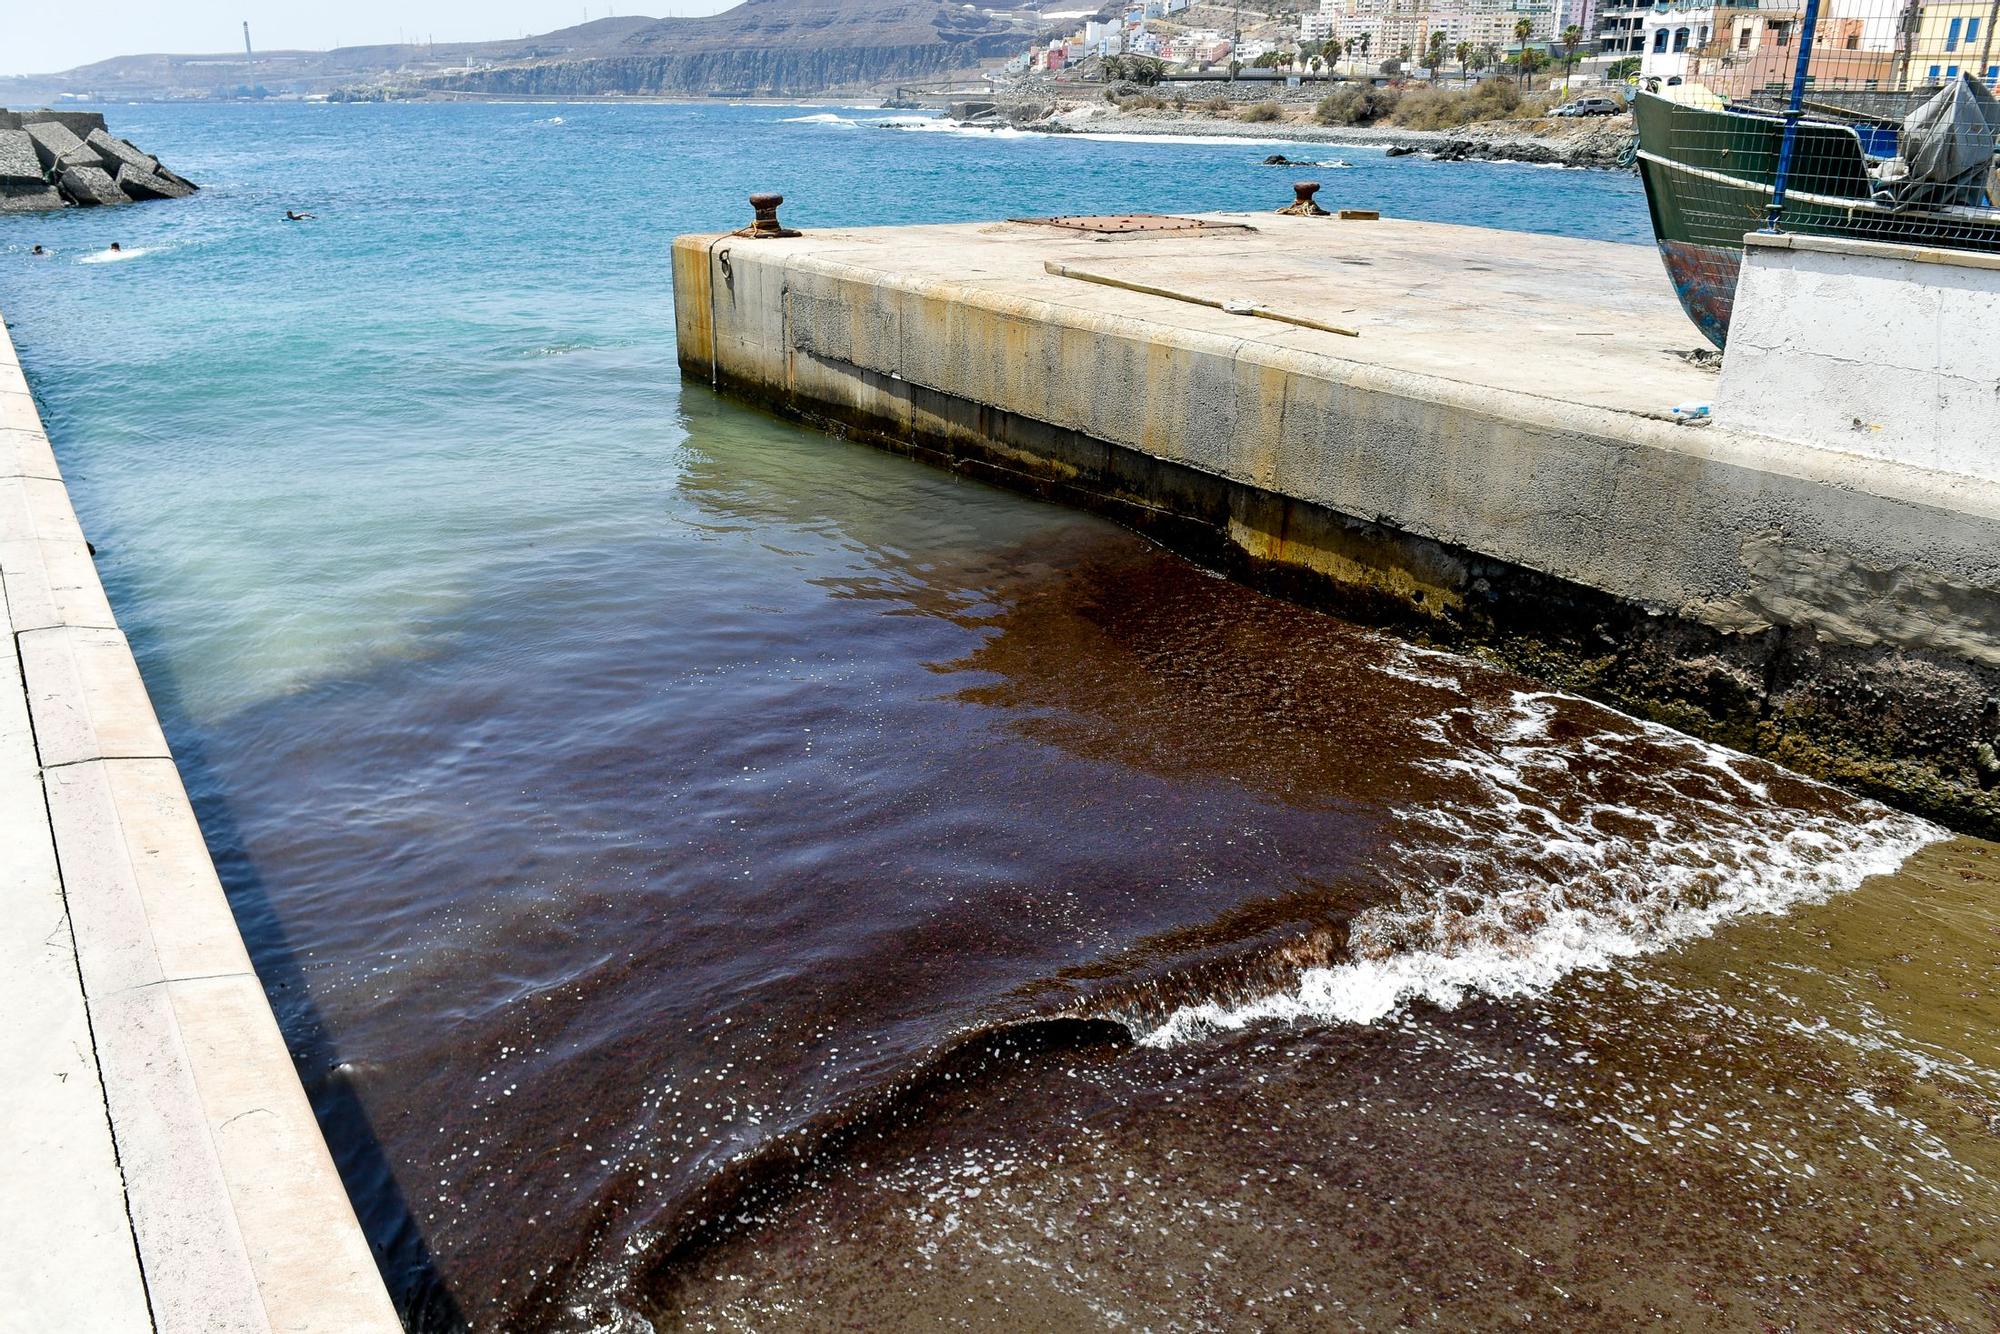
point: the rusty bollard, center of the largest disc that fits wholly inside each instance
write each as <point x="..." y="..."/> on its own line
<point x="766" y="224"/>
<point x="1303" y="206"/>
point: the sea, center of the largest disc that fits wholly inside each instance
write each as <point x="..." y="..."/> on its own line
<point x="716" y="876"/>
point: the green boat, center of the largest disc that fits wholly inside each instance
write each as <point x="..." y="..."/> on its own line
<point x="1710" y="170"/>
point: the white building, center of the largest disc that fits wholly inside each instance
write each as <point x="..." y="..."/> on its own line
<point x="1674" y="31"/>
<point x="1544" y="19"/>
<point x="1391" y="25"/>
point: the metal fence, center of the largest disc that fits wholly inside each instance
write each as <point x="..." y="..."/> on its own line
<point x="1865" y="119"/>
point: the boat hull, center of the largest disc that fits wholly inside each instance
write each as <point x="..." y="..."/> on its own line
<point x="1704" y="278"/>
<point x="1710" y="177"/>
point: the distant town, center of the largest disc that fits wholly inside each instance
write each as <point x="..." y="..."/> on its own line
<point x="1742" y="42"/>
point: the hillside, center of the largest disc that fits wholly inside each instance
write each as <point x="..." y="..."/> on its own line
<point x="773" y="47"/>
<point x="762" y="46"/>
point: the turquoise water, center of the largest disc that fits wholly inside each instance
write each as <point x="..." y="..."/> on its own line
<point x="639" y="809"/>
<point x="247" y="405"/>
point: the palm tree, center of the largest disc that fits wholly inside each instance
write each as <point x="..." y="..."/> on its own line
<point x="1532" y="61"/>
<point x="1572" y="38"/>
<point x="1464" y="53"/>
<point x="1521" y="30"/>
<point x="1367" y="39"/>
<point x="1434" y="53"/>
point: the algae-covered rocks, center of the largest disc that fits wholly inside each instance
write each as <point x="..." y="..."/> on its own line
<point x="68" y="159"/>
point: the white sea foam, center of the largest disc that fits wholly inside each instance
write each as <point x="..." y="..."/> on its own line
<point x="822" y="118"/>
<point x="114" y="256"/>
<point x="1545" y="872"/>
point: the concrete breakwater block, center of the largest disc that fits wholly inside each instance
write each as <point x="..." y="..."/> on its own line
<point x="116" y="153"/>
<point x="91" y="185"/>
<point x="19" y="162"/>
<point x="58" y="147"/>
<point x="136" y="184"/>
<point x="28" y="196"/>
<point x="79" y="123"/>
<point x="44" y="164"/>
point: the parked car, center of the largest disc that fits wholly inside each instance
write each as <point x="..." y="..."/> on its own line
<point x="1589" y="106"/>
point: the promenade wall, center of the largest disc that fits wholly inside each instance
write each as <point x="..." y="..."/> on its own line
<point x="160" y="1166"/>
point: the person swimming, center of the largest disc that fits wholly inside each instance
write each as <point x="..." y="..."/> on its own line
<point x="298" y="217"/>
<point x="38" y="251"/>
<point x="116" y="248"/>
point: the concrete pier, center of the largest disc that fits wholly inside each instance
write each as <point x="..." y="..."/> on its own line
<point x="160" y="1167"/>
<point x="1461" y="433"/>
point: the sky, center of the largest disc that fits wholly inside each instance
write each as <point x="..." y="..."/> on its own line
<point x="44" y="38"/>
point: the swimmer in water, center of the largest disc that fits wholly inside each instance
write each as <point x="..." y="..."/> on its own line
<point x="298" y="217"/>
<point x="116" y="248"/>
<point x="38" y="251"/>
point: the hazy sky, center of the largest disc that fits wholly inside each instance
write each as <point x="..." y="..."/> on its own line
<point x="39" y="37"/>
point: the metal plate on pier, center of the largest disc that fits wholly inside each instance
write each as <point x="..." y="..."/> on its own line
<point x="1130" y="224"/>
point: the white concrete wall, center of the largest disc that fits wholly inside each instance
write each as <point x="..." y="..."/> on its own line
<point x="1887" y="351"/>
<point x="161" y="1170"/>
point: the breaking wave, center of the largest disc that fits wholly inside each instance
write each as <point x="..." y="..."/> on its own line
<point x="1547" y="871"/>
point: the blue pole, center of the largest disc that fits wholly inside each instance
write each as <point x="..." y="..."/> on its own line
<point x="1793" y="110"/>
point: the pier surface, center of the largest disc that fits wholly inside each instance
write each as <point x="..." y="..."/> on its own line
<point x="1488" y="454"/>
<point x="160" y="1166"/>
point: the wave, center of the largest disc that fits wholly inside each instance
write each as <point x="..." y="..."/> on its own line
<point x="115" y="256"/>
<point x="822" y="118"/>
<point x="1560" y="836"/>
<point x="774" y="1169"/>
<point x="1547" y="873"/>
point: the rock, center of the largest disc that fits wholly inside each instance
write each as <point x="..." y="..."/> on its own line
<point x="116" y="153"/>
<point x="91" y="185"/>
<point x="1398" y="150"/>
<point x="57" y="146"/>
<point x="1280" y="160"/>
<point x="136" y="184"/>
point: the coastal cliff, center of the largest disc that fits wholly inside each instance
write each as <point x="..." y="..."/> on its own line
<point x="768" y="47"/>
<point x="766" y="72"/>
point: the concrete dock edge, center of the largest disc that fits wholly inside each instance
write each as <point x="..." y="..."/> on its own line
<point x="1490" y="466"/>
<point x="162" y="1166"/>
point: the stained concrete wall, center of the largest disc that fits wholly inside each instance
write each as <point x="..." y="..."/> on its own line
<point x="1841" y="613"/>
<point x="1888" y="351"/>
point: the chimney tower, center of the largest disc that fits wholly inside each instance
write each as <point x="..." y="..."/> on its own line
<point x="246" y="38"/>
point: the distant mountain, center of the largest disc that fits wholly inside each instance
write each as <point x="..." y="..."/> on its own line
<point x="774" y="47"/>
<point x="771" y="47"/>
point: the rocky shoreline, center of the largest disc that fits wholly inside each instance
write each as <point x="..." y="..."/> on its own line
<point x="68" y="159"/>
<point x="1599" y="142"/>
